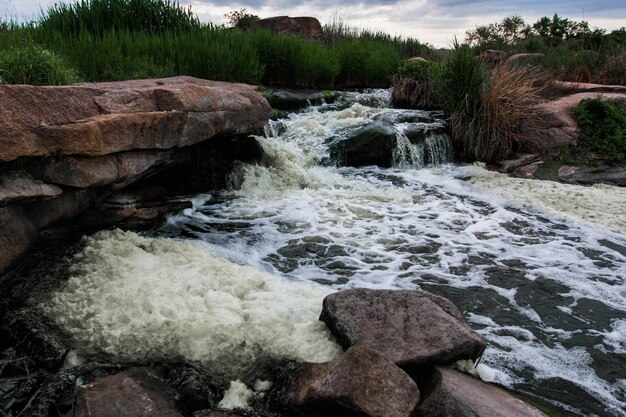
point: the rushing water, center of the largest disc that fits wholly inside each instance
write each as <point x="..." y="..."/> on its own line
<point x="538" y="268"/>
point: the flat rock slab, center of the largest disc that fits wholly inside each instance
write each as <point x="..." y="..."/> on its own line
<point x="104" y="118"/>
<point x="360" y="383"/>
<point x="411" y="328"/>
<point x="21" y="187"/>
<point x="460" y="395"/>
<point x="131" y="393"/>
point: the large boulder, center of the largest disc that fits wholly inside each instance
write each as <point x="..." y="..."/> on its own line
<point x="361" y="382"/>
<point x="130" y="393"/>
<point x="105" y="118"/>
<point x="370" y="145"/>
<point x="494" y="56"/>
<point x="19" y="186"/>
<point x="308" y="27"/>
<point x="414" y="329"/>
<point x="456" y="394"/>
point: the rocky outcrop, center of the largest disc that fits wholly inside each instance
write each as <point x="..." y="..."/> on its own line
<point x="412" y="328"/>
<point x="556" y="126"/>
<point x="494" y="56"/>
<point x="291" y="100"/>
<point x="64" y="149"/>
<point x="308" y="27"/>
<point x="130" y="393"/>
<point x="526" y="59"/>
<point x="460" y="395"/>
<point x="106" y="118"/>
<point x="361" y="382"/>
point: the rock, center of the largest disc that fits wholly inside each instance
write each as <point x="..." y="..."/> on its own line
<point x="460" y="395"/>
<point x="360" y="383"/>
<point x="19" y="186"/>
<point x="194" y="391"/>
<point x="604" y="175"/>
<point x="569" y="88"/>
<point x="292" y="100"/>
<point x="511" y="165"/>
<point x="130" y="393"/>
<point x="527" y="171"/>
<point x="556" y="126"/>
<point x="66" y="207"/>
<point x="494" y="56"/>
<point x="526" y="59"/>
<point x="411" y="328"/>
<point x="104" y="118"/>
<point x="370" y="145"/>
<point x="417" y="59"/>
<point x="88" y="172"/>
<point x="567" y="170"/>
<point x="18" y="235"/>
<point x="307" y="27"/>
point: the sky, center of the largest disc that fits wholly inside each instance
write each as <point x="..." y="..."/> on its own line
<point x="434" y="21"/>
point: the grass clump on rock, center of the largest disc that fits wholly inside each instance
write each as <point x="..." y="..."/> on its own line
<point x="603" y="127"/>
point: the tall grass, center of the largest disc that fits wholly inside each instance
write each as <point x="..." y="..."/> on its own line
<point x="366" y="63"/>
<point x="28" y="63"/>
<point x="98" y="17"/>
<point x="485" y="108"/>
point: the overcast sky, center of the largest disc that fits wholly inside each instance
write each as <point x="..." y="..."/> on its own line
<point x="433" y="21"/>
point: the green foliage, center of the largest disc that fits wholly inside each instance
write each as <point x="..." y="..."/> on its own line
<point x="502" y="35"/>
<point x="30" y="64"/>
<point x="603" y="127"/>
<point x="241" y="18"/>
<point x="416" y="70"/>
<point x="97" y="17"/>
<point x="366" y="63"/>
<point x="293" y="61"/>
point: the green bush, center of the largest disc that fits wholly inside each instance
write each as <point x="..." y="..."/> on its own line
<point x="366" y="63"/>
<point x="30" y="64"/>
<point x="603" y="127"/>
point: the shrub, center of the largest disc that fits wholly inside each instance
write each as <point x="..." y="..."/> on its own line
<point x="603" y="127"/>
<point x="31" y="64"/>
<point x="485" y="108"/>
<point x="241" y="18"/>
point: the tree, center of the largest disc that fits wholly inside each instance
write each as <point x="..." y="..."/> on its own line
<point x="502" y="35"/>
<point x="241" y="18"/>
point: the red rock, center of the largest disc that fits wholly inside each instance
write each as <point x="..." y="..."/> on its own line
<point x="511" y="165"/>
<point x="308" y="27"/>
<point x="21" y="187"/>
<point x="360" y="383"/>
<point x="103" y="118"/>
<point x="494" y="56"/>
<point x="411" y="328"/>
<point x="131" y="393"/>
<point x="460" y="395"/>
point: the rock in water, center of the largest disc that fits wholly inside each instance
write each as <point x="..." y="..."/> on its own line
<point x="370" y="145"/>
<point x="460" y="395"/>
<point x="360" y="383"/>
<point x="411" y="328"/>
<point x="131" y="393"/>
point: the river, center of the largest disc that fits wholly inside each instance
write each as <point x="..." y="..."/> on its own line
<point x="538" y="268"/>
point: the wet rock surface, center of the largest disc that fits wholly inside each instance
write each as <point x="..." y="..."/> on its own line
<point x="411" y="328"/>
<point x="369" y="145"/>
<point x="459" y="395"/>
<point x="130" y="393"/>
<point x="292" y="100"/>
<point x="361" y="382"/>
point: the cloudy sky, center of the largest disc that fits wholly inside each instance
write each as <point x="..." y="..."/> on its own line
<point x="433" y="21"/>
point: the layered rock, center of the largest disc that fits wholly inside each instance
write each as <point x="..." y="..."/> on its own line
<point x="65" y="148"/>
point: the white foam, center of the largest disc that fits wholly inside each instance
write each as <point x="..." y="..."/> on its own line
<point x="600" y="204"/>
<point x="237" y="396"/>
<point x="140" y="299"/>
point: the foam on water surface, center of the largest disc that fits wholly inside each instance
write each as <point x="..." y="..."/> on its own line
<point x="139" y="299"/>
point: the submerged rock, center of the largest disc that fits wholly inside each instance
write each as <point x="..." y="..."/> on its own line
<point x="130" y="393"/>
<point x="361" y="382"/>
<point x="455" y="394"/>
<point x="411" y="328"/>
